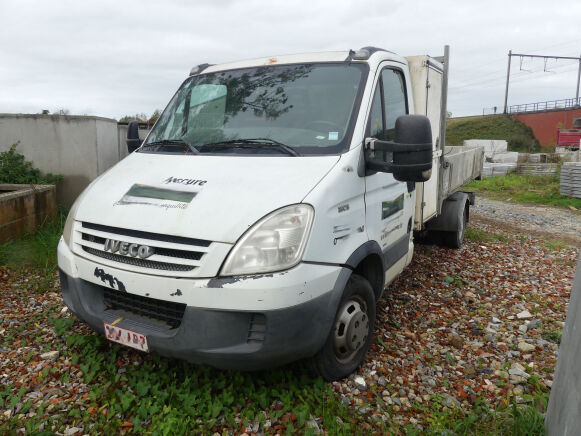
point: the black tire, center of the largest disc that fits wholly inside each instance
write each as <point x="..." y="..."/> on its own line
<point x="351" y="333"/>
<point x="436" y="237"/>
<point x="454" y="239"/>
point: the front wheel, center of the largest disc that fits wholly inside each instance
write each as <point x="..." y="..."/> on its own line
<point x="351" y="334"/>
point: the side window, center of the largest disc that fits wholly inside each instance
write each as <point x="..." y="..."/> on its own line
<point x="376" y="126"/>
<point x="394" y="97"/>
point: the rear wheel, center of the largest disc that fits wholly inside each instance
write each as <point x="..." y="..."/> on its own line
<point x="454" y="239"/>
<point x="351" y="334"/>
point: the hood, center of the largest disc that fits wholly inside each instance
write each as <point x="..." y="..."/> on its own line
<point x="215" y="198"/>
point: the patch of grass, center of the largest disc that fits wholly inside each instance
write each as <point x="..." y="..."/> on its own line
<point x="521" y="188"/>
<point x="482" y="419"/>
<point x="171" y="397"/>
<point x="553" y="245"/>
<point x="478" y="235"/>
<point x="553" y="335"/>
<point x="35" y="249"/>
<point x="519" y="136"/>
<point x="457" y="280"/>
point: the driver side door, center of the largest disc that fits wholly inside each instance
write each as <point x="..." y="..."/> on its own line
<point x="388" y="202"/>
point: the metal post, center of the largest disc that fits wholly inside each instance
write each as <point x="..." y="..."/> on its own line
<point x="578" y="77"/>
<point x="444" y="98"/>
<point x="507" y="77"/>
<point x="443" y="119"/>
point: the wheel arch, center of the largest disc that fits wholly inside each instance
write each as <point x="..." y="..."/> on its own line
<point x="448" y="220"/>
<point x="368" y="262"/>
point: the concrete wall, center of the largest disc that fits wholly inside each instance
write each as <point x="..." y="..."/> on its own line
<point x="78" y="147"/>
<point x="545" y="124"/>
<point x="563" y="417"/>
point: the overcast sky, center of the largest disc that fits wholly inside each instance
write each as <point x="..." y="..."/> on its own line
<point x="112" y="58"/>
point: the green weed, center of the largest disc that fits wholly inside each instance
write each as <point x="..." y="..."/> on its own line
<point x="553" y="336"/>
<point x="482" y="419"/>
<point x="15" y="169"/>
<point x="477" y="235"/>
<point x="553" y="245"/>
<point x="165" y="396"/>
<point x="35" y="249"/>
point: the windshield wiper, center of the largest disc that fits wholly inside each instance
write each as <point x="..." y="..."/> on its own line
<point x="253" y="143"/>
<point x="178" y="142"/>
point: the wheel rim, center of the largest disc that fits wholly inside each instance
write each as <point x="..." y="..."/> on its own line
<point x="351" y="329"/>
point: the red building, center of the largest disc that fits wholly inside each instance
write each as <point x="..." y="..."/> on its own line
<point x="546" y="124"/>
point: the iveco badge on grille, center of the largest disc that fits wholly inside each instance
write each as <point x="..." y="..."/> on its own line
<point x="127" y="249"/>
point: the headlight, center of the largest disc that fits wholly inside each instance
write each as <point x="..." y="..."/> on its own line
<point x="274" y="243"/>
<point x="68" y="229"/>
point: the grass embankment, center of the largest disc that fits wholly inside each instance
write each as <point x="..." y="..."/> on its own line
<point x="519" y="136"/>
<point x="109" y="389"/>
<point x="524" y="189"/>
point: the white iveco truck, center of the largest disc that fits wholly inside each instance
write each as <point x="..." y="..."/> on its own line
<point x="268" y="208"/>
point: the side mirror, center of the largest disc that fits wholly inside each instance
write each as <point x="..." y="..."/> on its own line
<point x="409" y="154"/>
<point x="133" y="141"/>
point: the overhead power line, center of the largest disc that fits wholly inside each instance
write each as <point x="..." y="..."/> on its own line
<point x="545" y="58"/>
<point x="524" y="75"/>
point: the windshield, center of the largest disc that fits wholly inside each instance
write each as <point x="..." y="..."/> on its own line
<point x="289" y="109"/>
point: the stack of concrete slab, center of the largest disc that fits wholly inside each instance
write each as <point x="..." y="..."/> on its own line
<point x="497" y="169"/>
<point x="568" y="155"/>
<point x="491" y="146"/>
<point x="571" y="179"/>
<point x="538" y="169"/>
<point x="532" y="157"/>
<point x="498" y="160"/>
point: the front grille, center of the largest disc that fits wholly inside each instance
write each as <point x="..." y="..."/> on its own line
<point x="147" y="235"/>
<point x="166" y="311"/>
<point x="170" y="253"/>
<point x="160" y="251"/>
<point x="143" y="263"/>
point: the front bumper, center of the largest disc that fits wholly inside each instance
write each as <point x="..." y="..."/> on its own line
<point x="243" y="323"/>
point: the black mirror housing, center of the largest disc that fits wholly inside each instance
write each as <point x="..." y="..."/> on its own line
<point x="133" y="141"/>
<point x="411" y="150"/>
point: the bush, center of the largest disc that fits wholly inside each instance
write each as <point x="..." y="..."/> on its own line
<point x="14" y="169"/>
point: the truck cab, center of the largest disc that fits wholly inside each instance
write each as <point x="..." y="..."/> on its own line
<point x="262" y="217"/>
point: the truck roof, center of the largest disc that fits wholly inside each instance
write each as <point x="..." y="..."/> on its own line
<point x="373" y="55"/>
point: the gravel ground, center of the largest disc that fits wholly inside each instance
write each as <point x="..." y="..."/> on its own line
<point x="478" y="321"/>
<point x="458" y="325"/>
<point x="541" y="221"/>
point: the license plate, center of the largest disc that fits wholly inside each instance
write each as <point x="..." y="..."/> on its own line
<point x="126" y="337"/>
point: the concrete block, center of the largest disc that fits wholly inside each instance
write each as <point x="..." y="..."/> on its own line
<point x="25" y="207"/>
<point x="491" y="146"/>
<point x="507" y="157"/>
<point x="563" y="417"/>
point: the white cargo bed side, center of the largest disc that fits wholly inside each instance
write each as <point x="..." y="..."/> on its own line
<point x="462" y="164"/>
